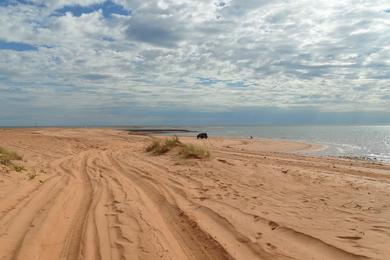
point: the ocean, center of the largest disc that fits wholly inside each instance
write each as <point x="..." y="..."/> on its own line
<point x="371" y="142"/>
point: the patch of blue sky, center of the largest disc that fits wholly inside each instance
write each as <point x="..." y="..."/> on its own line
<point x="236" y="84"/>
<point x="228" y="83"/>
<point x="17" y="46"/>
<point x="108" y="39"/>
<point x="13" y="2"/>
<point x="208" y="81"/>
<point x="13" y="89"/>
<point x="19" y="2"/>
<point x="108" y="9"/>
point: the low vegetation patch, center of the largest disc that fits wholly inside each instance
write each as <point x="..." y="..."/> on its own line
<point x="7" y="158"/>
<point x="158" y="147"/>
<point x="187" y="151"/>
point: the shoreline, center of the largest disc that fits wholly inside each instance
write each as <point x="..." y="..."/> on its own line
<point x="147" y="131"/>
<point x="310" y="149"/>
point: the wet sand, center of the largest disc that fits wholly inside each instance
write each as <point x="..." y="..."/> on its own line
<point x="95" y="194"/>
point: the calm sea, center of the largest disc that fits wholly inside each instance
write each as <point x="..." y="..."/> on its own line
<point x="362" y="141"/>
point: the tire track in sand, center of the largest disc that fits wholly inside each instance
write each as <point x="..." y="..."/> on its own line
<point x="195" y="243"/>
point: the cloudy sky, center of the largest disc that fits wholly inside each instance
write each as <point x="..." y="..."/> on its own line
<point x="203" y="61"/>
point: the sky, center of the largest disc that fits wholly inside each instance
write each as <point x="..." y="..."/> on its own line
<point x="97" y="62"/>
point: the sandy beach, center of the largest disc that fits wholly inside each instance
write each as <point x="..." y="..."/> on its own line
<point x="96" y="194"/>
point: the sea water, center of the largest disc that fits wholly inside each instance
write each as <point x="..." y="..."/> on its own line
<point x="361" y="141"/>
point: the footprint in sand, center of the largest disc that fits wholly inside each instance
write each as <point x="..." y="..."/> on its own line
<point x="273" y="225"/>
<point x="256" y="218"/>
<point x="350" y="237"/>
<point x="271" y="246"/>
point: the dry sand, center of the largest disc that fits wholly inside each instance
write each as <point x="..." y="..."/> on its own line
<point x="95" y="194"/>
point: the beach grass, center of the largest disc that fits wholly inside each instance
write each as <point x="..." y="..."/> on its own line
<point x="190" y="151"/>
<point x="158" y="147"/>
<point x="186" y="151"/>
<point x="7" y="158"/>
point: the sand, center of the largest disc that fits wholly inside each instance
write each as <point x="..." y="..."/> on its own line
<point x="95" y="194"/>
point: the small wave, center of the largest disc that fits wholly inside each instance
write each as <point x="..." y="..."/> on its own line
<point x="354" y="147"/>
<point x="343" y="146"/>
<point x="380" y="157"/>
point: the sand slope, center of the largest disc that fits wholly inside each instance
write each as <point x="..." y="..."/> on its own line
<point x="95" y="194"/>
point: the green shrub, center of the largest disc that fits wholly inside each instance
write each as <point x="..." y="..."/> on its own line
<point x="187" y="151"/>
<point x="190" y="151"/>
<point x="18" y="168"/>
<point x="6" y="158"/>
<point x="163" y="146"/>
<point x="154" y="146"/>
<point x="169" y="144"/>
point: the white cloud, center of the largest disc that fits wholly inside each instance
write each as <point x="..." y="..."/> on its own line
<point x="327" y="55"/>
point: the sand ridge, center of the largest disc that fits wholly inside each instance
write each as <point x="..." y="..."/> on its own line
<point x="95" y="194"/>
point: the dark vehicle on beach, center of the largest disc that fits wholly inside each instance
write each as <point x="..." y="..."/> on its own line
<point x="202" y="136"/>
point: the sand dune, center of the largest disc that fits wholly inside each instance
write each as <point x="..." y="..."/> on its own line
<point x="95" y="194"/>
